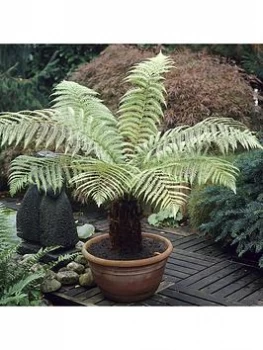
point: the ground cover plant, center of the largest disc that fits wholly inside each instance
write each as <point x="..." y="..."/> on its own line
<point x="127" y="160"/>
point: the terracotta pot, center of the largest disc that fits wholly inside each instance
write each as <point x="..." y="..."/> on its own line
<point x="130" y="280"/>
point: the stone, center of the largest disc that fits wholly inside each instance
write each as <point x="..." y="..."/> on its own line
<point x="76" y="267"/>
<point x="36" y="267"/>
<point x="56" y="221"/>
<point x="85" y="231"/>
<point x="46" y="219"/>
<point x="79" y="245"/>
<point x="27" y="218"/>
<point x="68" y="277"/>
<point x="86" y="279"/>
<point x="50" y="275"/>
<point x="50" y="285"/>
<point x="80" y="259"/>
<point x="63" y="269"/>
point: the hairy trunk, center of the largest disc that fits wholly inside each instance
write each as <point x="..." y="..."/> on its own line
<point x="125" y="225"/>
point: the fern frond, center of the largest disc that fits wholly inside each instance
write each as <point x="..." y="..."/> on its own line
<point x="141" y="107"/>
<point x="216" y="134"/>
<point x="159" y="189"/>
<point x="43" y="172"/>
<point x="25" y="126"/>
<point x="92" y="126"/>
<point x="102" y="181"/>
<point x="195" y="169"/>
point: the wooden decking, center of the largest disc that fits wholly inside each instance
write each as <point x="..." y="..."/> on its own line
<point x="198" y="273"/>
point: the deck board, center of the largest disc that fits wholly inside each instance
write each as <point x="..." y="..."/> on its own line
<point x="198" y="273"/>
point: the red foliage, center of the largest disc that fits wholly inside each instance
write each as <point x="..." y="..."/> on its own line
<point x="200" y="85"/>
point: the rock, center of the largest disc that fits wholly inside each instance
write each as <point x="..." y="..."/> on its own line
<point x="85" y="231"/>
<point x="63" y="269"/>
<point x="79" y="245"/>
<point x="50" y="285"/>
<point x="80" y="259"/>
<point x="27" y="218"/>
<point x="57" y="221"/>
<point x="86" y="279"/>
<point x="50" y="275"/>
<point x="36" y="267"/>
<point x="76" y="267"/>
<point x="46" y="219"/>
<point x="68" y="277"/>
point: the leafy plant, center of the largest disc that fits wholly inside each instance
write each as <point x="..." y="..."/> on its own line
<point x="234" y="219"/>
<point x="19" y="281"/>
<point x="165" y="217"/>
<point x="122" y="161"/>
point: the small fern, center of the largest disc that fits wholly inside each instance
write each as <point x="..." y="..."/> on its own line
<point x="19" y="284"/>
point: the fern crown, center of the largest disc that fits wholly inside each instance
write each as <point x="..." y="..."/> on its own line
<point x="105" y="157"/>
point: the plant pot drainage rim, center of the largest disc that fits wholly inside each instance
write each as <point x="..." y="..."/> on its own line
<point x="127" y="263"/>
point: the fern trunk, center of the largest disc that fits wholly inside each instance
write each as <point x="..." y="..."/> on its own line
<point x="125" y="225"/>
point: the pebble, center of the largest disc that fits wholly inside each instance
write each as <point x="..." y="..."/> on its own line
<point x="50" y="285"/>
<point x="80" y="259"/>
<point x="68" y="277"/>
<point x="79" y="245"/>
<point x="86" y="279"/>
<point x="78" y="268"/>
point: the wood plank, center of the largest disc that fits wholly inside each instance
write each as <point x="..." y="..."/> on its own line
<point x="163" y="285"/>
<point x="195" y="242"/>
<point x="75" y="291"/>
<point x="212" y="250"/>
<point x="174" y="273"/>
<point x="197" y="248"/>
<point x="191" y="238"/>
<point x="227" y="291"/>
<point x="187" y="253"/>
<point x="205" y="273"/>
<point x="187" y="264"/>
<point x="192" y="297"/>
<point x="247" y="290"/>
<point x="204" y="281"/>
<point x="165" y="300"/>
<point x="178" y="268"/>
<point x="190" y="259"/>
<point x="90" y="300"/>
<point x="255" y="298"/>
<point x="232" y="278"/>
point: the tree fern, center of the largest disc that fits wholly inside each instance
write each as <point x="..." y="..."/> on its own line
<point x="109" y="159"/>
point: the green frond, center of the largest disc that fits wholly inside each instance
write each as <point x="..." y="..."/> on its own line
<point x="25" y="126"/>
<point x="212" y="134"/>
<point x="44" y="172"/>
<point x="160" y="189"/>
<point x="141" y="107"/>
<point x="92" y="126"/>
<point x="202" y="170"/>
<point x="102" y="181"/>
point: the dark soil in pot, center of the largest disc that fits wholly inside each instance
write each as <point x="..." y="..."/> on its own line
<point x="150" y="248"/>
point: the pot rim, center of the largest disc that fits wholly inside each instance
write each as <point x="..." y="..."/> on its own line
<point x="127" y="263"/>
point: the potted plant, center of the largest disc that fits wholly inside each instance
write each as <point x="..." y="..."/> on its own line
<point x="124" y="161"/>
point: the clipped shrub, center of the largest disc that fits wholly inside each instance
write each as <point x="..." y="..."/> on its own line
<point x="201" y="85"/>
<point x="234" y="219"/>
